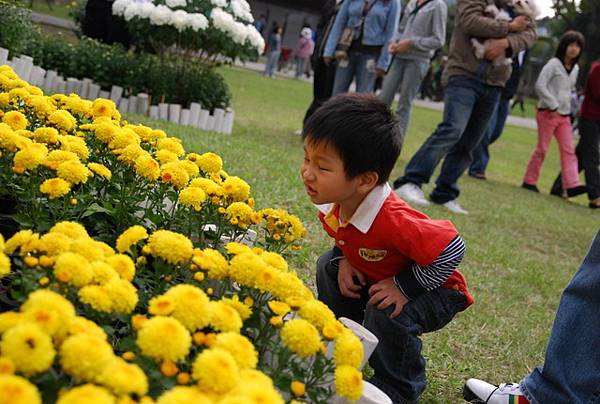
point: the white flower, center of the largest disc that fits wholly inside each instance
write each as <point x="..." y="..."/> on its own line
<point x="119" y="6"/>
<point x="219" y="3"/>
<point x="241" y="9"/>
<point x="176" y="3"/>
<point x="146" y="9"/>
<point x="161" y="15"/>
<point x="222" y="20"/>
<point x="179" y="19"/>
<point x="255" y="38"/>
<point x="239" y="33"/>
<point x="198" y="21"/>
<point x="132" y="11"/>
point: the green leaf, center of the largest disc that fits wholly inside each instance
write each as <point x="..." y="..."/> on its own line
<point x="95" y="208"/>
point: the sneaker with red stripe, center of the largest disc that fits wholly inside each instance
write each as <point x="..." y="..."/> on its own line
<point x="479" y="391"/>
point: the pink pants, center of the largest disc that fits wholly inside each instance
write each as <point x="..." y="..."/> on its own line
<point x="550" y="124"/>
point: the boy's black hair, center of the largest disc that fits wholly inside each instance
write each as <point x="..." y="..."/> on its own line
<point x="567" y="39"/>
<point x="363" y="131"/>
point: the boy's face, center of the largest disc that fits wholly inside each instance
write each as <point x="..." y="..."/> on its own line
<point x="324" y="177"/>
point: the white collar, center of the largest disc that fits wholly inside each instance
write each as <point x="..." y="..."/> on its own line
<point x="368" y="209"/>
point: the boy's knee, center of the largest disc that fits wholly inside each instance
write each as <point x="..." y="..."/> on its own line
<point x="379" y="322"/>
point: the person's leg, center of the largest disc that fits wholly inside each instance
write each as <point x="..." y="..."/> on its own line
<point x="299" y="67"/>
<point x="397" y="360"/>
<point x="588" y="153"/>
<point x="329" y="291"/>
<point x="568" y="160"/>
<point x="344" y="74"/>
<point x="571" y="370"/>
<point x="321" y="86"/>
<point x="546" y="124"/>
<point x="414" y="71"/>
<point x="459" y="100"/>
<point x="459" y="158"/>
<point x="391" y="81"/>
<point x="365" y="73"/>
<point x="480" y="153"/>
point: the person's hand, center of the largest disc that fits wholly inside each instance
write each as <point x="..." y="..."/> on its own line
<point x="327" y="60"/>
<point x="385" y="293"/>
<point x="399" y="47"/>
<point x="346" y="276"/>
<point x="379" y="72"/>
<point x="520" y="23"/>
<point x="495" y="48"/>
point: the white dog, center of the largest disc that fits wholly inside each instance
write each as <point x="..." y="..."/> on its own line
<point x="520" y="7"/>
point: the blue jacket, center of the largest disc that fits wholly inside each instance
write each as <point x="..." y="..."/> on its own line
<point x="380" y="26"/>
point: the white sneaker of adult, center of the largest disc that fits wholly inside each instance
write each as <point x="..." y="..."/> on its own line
<point x="454" y="207"/>
<point x="412" y="193"/>
<point x="479" y="391"/>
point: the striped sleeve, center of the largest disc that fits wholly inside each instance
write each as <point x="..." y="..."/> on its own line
<point x="419" y="280"/>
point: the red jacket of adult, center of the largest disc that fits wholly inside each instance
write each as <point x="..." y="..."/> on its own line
<point x="590" y="108"/>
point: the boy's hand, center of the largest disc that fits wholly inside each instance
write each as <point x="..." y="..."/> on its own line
<point x="385" y="293"/>
<point x="346" y="276"/>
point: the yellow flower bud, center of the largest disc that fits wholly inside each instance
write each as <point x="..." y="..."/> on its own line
<point x="183" y="378"/>
<point x="128" y="356"/>
<point x="199" y="276"/>
<point x="31" y="261"/>
<point x="137" y="321"/>
<point x="276" y="321"/>
<point x="169" y="369"/>
<point x="46" y="261"/>
<point x="73" y="201"/>
<point x="44" y="281"/>
<point x="298" y="388"/>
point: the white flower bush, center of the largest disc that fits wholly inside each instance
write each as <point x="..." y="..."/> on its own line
<point x="210" y="27"/>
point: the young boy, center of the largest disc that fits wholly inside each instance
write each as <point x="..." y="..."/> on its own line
<point x="392" y="268"/>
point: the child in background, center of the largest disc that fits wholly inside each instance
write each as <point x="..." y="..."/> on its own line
<point x="392" y="268"/>
<point x="303" y="51"/>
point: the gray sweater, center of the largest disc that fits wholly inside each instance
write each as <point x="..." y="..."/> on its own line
<point x="554" y="86"/>
<point x="426" y="29"/>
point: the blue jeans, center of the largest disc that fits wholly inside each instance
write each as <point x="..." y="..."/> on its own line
<point x="300" y="66"/>
<point x="397" y="359"/>
<point x="272" y="61"/>
<point x="571" y="370"/>
<point x="355" y="68"/>
<point x="481" y="154"/>
<point x="404" y="76"/>
<point x="468" y="107"/>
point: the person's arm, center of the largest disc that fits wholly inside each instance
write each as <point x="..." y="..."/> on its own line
<point x="438" y="31"/>
<point x="422" y="279"/>
<point x="390" y="30"/>
<point x="471" y="18"/>
<point x="541" y="86"/>
<point x="338" y="26"/>
<point x="520" y="41"/>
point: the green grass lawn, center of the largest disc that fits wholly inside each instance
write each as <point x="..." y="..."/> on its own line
<point x="59" y="9"/>
<point x="522" y="248"/>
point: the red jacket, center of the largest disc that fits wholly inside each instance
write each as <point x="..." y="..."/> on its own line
<point x="590" y="108"/>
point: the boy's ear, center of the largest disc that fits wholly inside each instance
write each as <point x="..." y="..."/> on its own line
<point x="368" y="181"/>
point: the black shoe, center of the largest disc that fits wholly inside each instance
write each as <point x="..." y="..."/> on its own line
<point x="557" y="192"/>
<point x="530" y="187"/>
<point x="392" y="393"/>
<point x="479" y="176"/>
<point x="594" y="205"/>
<point x="581" y="189"/>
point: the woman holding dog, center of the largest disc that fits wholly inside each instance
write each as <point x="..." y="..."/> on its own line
<point x="554" y="86"/>
<point x="359" y="42"/>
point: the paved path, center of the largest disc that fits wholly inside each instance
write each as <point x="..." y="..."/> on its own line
<point x="52" y="21"/>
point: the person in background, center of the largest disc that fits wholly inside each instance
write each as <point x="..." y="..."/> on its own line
<point x="554" y="86"/>
<point x="260" y="24"/>
<point x="481" y="154"/>
<point x="371" y="24"/>
<point x="588" y="148"/>
<point x="303" y="50"/>
<point x="274" y="51"/>
<point x="422" y="31"/>
<point x="323" y="74"/>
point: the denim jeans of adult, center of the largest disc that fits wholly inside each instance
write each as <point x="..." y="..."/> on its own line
<point x="404" y="77"/>
<point x="571" y="370"/>
<point x="468" y="107"/>
<point x="588" y="158"/>
<point x="481" y="154"/>
<point x="300" y="66"/>
<point x="272" y="61"/>
<point x="359" y="66"/>
<point x="397" y="359"/>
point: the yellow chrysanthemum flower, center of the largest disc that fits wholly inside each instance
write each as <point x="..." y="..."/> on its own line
<point x="253" y="387"/>
<point x="129" y="237"/>
<point x="88" y="393"/>
<point x="46" y="135"/>
<point x="85" y="356"/>
<point x="103" y="107"/>
<point x="62" y="119"/>
<point x="104" y="131"/>
<point x="88" y="248"/>
<point x="71" y="229"/>
<point x="100" y="170"/>
<point x="212" y="262"/>
<point x="47" y="319"/>
<point x="28" y="347"/>
<point x="240" y="348"/>
<point x="316" y="312"/>
<point x="4" y="265"/>
<point x="210" y="187"/>
<point x="7" y="367"/>
<point x="348" y="350"/>
<point x="16" y="120"/>
<point x="123" y="138"/>
<point x="122" y="294"/>
<point x="244" y="310"/>
<point x="161" y="305"/>
<point x="170" y="246"/>
<point x="209" y="162"/>
<point x="279" y="308"/>
<point x="243" y="268"/>
<point x="236" y="188"/>
<point x="97" y="297"/>
<point x="54" y="243"/>
<point x="123" y="265"/>
<point x="184" y="395"/>
<point x="348" y="382"/>
<point x="75" y="145"/>
<point x="224" y="317"/>
<point x="147" y="167"/>
<point x="31" y="156"/>
<point x="216" y="371"/>
<point x="166" y="156"/>
<point x="81" y="325"/>
<point x="55" y="187"/>
<point x="333" y="329"/>
<point x="122" y="378"/>
<point x="171" y="144"/>
<point x="57" y="157"/>
<point x="192" y="197"/>
<point x="51" y="301"/>
<point x="301" y="337"/>
<point x="275" y="260"/>
<point x="192" y="307"/>
<point x="156" y="331"/>
<point x="73" y="171"/>
<point x="190" y="168"/>
<point x="173" y="173"/>
<point x="102" y="272"/>
<point x="74" y="269"/>
<point x="18" y="390"/>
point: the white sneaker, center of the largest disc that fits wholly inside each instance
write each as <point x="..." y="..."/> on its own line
<point x="479" y="391"/>
<point x="454" y="207"/>
<point x="298" y="132"/>
<point x="412" y="193"/>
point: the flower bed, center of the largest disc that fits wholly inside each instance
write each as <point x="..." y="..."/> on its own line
<point x="124" y="284"/>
